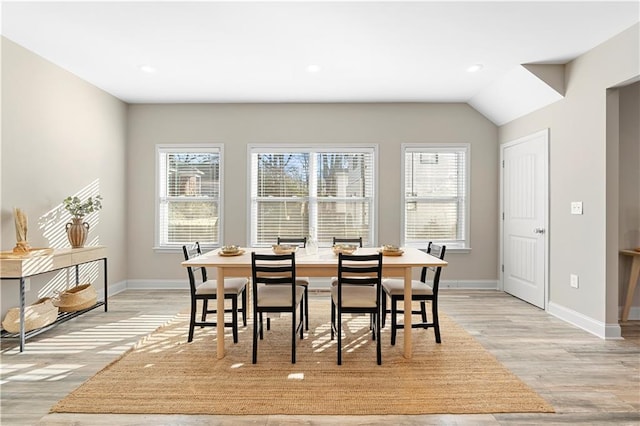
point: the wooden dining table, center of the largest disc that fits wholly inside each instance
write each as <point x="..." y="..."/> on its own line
<point x="323" y="263"/>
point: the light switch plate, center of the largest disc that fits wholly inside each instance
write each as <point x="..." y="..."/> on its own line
<point x="573" y="280"/>
<point x="576" y="207"/>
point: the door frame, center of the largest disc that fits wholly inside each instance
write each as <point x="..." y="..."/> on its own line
<point x="545" y="133"/>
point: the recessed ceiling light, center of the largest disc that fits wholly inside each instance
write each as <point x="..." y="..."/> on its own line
<point x="475" y="68"/>
<point x="313" y="68"/>
<point x="147" y="68"/>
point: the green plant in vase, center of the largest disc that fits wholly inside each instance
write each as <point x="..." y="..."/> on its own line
<point x="77" y="230"/>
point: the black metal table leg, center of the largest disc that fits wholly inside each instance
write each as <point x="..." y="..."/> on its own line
<point x="22" y="307"/>
<point x="105" y="285"/>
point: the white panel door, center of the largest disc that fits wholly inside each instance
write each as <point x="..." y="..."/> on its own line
<point x="524" y="204"/>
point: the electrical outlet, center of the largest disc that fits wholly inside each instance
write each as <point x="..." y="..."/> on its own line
<point x="573" y="280"/>
<point x="27" y="284"/>
<point x="576" y="207"/>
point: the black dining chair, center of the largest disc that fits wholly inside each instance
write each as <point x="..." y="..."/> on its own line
<point x="424" y="290"/>
<point x="206" y="290"/>
<point x="302" y="281"/>
<point x="275" y="290"/>
<point x="358" y="290"/>
<point x="344" y="240"/>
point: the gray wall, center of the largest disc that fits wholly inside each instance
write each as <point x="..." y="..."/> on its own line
<point x="236" y="125"/>
<point x="59" y="135"/>
<point x="581" y="171"/>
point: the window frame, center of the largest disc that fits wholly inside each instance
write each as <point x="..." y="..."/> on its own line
<point x="460" y="245"/>
<point x="258" y="148"/>
<point x="160" y="180"/>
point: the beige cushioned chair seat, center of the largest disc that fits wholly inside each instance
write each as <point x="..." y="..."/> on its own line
<point x="303" y="281"/>
<point x="396" y="287"/>
<point x="231" y="286"/>
<point x="355" y="296"/>
<point x="278" y="295"/>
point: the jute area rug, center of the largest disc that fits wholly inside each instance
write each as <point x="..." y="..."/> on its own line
<point x="163" y="374"/>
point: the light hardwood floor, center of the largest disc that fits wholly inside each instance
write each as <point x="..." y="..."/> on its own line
<point x="586" y="379"/>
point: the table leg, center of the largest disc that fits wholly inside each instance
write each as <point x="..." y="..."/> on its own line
<point x="22" y="308"/>
<point x="407" y="313"/>
<point x="633" y="281"/>
<point x="220" y="313"/>
<point x="105" y="285"/>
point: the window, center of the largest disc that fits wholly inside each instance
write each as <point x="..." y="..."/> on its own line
<point x="189" y="200"/>
<point x="321" y="193"/>
<point x="436" y="195"/>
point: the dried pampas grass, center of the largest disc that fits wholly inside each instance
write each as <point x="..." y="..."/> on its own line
<point x="22" y="246"/>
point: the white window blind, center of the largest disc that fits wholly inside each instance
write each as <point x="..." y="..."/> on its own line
<point x="436" y="195"/>
<point x="310" y="192"/>
<point x="188" y="198"/>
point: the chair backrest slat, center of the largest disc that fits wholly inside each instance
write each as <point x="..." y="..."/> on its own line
<point x="341" y="240"/>
<point x="299" y="241"/>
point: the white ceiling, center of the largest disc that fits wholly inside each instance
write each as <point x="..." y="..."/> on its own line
<point x="367" y="51"/>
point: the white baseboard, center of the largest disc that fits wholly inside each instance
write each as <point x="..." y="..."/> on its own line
<point x="157" y="285"/>
<point x="599" y="328"/>
<point x="114" y="288"/>
<point x="470" y="284"/>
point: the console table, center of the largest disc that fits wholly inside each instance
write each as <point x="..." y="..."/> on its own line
<point x="25" y="267"/>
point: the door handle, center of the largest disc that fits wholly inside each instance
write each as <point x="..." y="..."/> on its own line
<point x="538" y="230"/>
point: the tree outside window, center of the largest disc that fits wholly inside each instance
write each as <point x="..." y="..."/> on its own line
<point x="304" y="192"/>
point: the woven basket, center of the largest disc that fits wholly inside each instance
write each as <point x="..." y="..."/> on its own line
<point x="40" y="314"/>
<point x="76" y="299"/>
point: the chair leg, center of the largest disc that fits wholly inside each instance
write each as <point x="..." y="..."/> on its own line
<point x="204" y="311"/>
<point x="293" y="336"/>
<point x="436" y="322"/>
<point x="255" y="339"/>
<point x="333" y="318"/>
<point x="234" y="318"/>
<point x="394" y="320"/>
<point x="339" y="333"/>
<point x="192" y="319"/>
<point x="301" y="326"/>
<point x="306" y="308"/>
<point x="374" y="332"/>
<point x="261" y="332"/>
<point x="378" y="343"/>
<point x="423" y="311"/>
<point x="244" y="306"/>
<point x="384" y="308"/>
